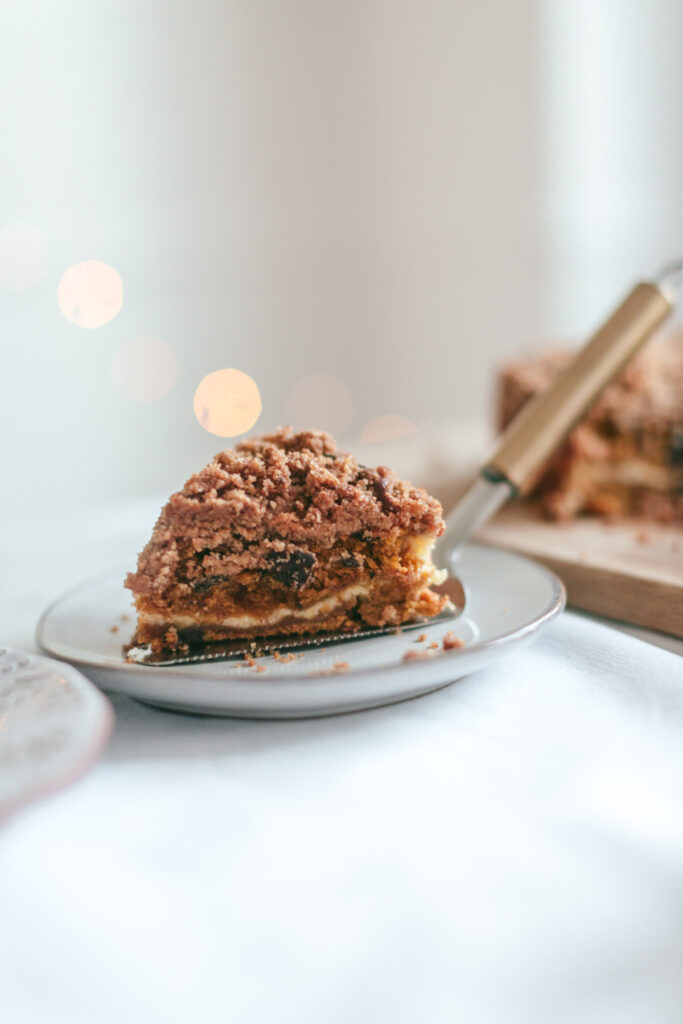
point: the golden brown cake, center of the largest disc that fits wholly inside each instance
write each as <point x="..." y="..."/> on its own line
<point x="626" y="457"/>
<point x="286" y="535"/>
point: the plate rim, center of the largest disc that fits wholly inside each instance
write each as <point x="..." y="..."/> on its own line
<point x="555" y="605"/>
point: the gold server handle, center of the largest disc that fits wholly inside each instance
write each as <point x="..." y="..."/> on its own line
<point x="539" y="429"/>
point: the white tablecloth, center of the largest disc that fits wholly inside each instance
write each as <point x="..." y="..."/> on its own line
<point x="507" y="849"/>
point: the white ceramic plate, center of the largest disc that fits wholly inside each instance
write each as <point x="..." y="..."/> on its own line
<point x="53" y="724"/>
<point x="509" y="598"/>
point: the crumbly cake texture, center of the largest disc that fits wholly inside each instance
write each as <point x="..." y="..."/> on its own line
<point x="626" y="457"/>
<point x="286" y="534"/>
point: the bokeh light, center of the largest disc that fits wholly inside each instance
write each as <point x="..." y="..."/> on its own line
<point x="320" y="402"/>
<point x="144" y="368"/>
<point x="227" y="403"/>
<point x="388" y="428"/>
<point x="90" y="294"/>
<point x="23" y="256"/>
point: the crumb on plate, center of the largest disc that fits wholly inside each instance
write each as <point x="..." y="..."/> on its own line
<point x="451" y="642"/>
<point x="416" y="655"/>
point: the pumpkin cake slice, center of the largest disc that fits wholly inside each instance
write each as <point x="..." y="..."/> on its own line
<point x="286" y="535"/>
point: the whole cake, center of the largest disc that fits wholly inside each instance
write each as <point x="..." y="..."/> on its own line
<point x="286" y="535"/>
<point x="626" y="457"/>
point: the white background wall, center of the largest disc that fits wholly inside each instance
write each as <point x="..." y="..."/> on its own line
<point x="612" y="73"/>
<point x="396" y="193"/>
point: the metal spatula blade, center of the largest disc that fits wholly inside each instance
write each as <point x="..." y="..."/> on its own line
<point x="231" y="650"/>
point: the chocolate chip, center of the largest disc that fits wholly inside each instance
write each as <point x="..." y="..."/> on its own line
<point x="291" y="568"/>
<point x="205" y="583"/>
<point x="388" y="501"/>
<point x="676" y="449"/>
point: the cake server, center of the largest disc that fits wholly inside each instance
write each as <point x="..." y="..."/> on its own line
<point x="542" y="425"/>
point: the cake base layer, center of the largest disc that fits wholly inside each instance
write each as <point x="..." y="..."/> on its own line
<point x="357" y="609"/>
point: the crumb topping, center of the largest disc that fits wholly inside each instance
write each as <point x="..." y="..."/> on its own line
<point x="252" y="507"/>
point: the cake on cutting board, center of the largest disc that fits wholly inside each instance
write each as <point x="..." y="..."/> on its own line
<point x="626" y="456"/>
<point x="607" y="515"/>
<point x="286" y="534"/>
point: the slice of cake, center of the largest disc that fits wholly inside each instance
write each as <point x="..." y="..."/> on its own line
<point x="286" y="535"/>
<point x="626" y="457"/>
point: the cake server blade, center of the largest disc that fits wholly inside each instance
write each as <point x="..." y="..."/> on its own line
<point x="230" y="650"/>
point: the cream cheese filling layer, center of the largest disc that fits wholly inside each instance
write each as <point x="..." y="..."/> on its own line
<point x="421" y="546"/>
<point x="322" y="607"/>
<point x="629" y="472"/>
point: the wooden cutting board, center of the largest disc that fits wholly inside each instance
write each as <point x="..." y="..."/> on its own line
<point x="629" y="571"/>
